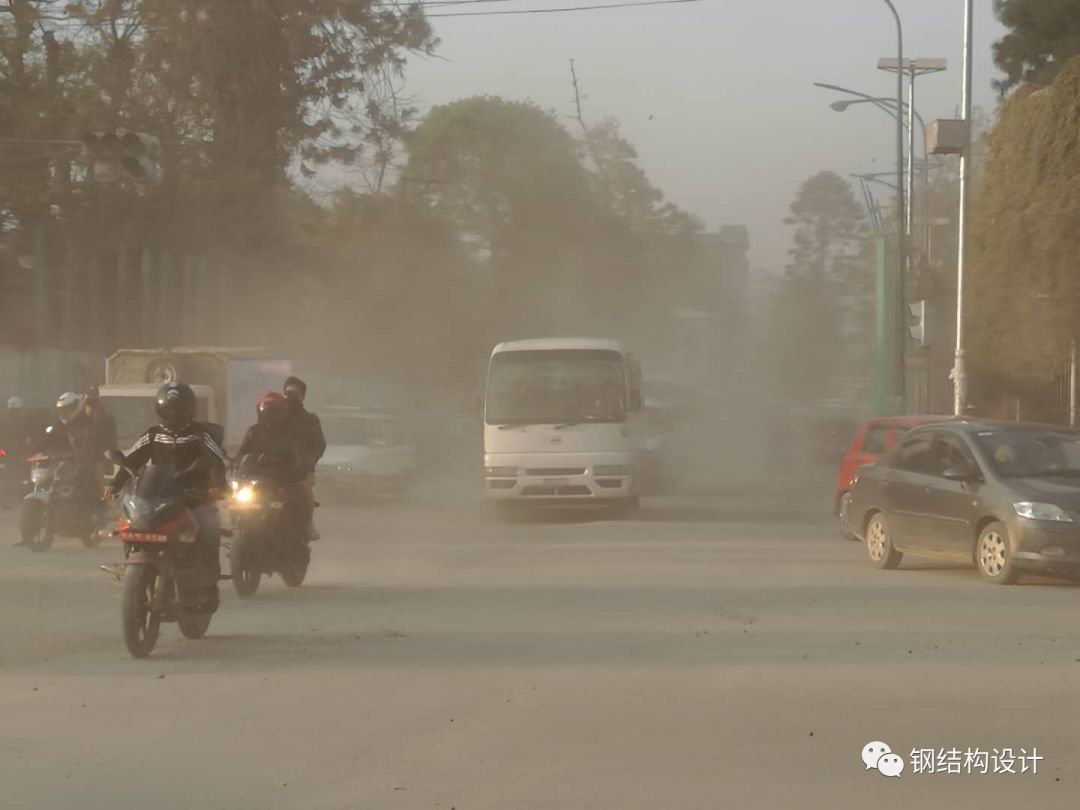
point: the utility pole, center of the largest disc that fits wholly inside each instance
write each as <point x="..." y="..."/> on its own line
<point x="959" y="375"/>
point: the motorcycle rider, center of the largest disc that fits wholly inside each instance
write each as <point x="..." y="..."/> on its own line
<point x="74" y="433"/>
<point x="71" y="434"/>
<point x="104" y="425"/>
<point x="177" y="441"/>
<point x="273" y="443"/>
<point x="311" y="444"/>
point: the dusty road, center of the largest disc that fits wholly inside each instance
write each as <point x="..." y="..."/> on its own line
<point x="699" y="656"/>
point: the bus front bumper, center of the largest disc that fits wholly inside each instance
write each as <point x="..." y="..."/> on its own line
<point x="559" y="477"/>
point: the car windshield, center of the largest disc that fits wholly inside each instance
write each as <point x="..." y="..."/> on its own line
<point x="556" y="387"/>
<point x="1031" y="453"/>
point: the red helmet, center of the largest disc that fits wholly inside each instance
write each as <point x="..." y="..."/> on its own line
<point x="272" y="407"/>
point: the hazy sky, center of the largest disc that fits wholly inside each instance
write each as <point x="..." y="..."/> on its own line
<point x="735" y="123"/>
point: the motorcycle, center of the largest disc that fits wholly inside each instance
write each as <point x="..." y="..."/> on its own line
<point x="57" y="505"/>
<point x="266" y="538"/>
<point x="162" y="576"/>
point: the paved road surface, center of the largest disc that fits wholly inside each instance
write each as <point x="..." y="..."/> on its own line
<point x="705" y="655"/>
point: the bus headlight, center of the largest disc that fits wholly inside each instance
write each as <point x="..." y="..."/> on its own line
<point x="501" y="472"/>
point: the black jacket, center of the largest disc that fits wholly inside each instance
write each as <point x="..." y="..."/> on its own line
<point x="177" y="450"/>
<point x="281" y="446"/>
<point x="309" y="437"/>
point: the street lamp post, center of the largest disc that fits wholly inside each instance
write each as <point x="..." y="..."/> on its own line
<point x="901" y="246"/>
<point x="959" y="375"/>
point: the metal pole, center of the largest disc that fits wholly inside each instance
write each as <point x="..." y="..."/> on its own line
<point x="1072" y="385"/>
<point x="959" y="375"/>
<point x="901" y="231"/>
<point x="911" y="151"/>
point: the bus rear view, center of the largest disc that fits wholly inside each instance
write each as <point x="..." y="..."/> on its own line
<point x="559" y="424"/>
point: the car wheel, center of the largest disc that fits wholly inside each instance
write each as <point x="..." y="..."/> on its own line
<point x="879" y="544"/>
<point x="843" y="507"/>
<point x="994" y="557"/>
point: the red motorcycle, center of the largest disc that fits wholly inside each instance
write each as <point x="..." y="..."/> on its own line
<point x="163" y="577"/>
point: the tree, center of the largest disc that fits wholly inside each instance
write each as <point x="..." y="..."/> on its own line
<point x="510" y="178"/>
<point x="1023" y="287"/>
<point x="1043" y="36"/>
<point x="822" y="313"/>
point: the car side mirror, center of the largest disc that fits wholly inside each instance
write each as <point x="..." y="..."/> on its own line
<point x="960" y="473"/>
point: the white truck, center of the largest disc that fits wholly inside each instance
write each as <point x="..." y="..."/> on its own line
<point x="226" y="381"/>
<point x="562" y="424"/>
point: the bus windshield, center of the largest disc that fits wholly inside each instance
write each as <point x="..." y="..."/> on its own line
<point x="566" y="386"/>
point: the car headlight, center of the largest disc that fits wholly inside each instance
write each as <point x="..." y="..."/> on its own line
<point x="245" y="494"/>
<point x="501" y="472"/>
<point x="612" y="470"/>
<point x="1042" y="511"/>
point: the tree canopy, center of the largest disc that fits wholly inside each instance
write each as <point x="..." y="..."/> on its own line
<point x="1043" y="36"/>
<point x="823" y="315"/>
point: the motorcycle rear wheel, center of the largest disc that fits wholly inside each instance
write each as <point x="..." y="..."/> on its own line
<point x="141" y="624"/>
<point x="34" y="528"/>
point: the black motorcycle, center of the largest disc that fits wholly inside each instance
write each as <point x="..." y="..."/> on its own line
<point x="267" y="537"/>
<point x="61" y="503"/>
<point x="164" y="579"/>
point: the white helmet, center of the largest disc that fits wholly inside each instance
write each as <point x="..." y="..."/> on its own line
<point x="15" y="403"/>
<point x="68" y="406"/>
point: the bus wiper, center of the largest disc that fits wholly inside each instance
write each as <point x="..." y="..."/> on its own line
<point x="582" y="421"/>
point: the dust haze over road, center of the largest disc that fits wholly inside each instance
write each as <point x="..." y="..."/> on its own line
<point x="710" y="653"/>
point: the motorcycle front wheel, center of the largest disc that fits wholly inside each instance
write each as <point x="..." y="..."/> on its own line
<point x="34" y="528"/>
<point x="294" y="571"/>
<point x="243" y="564"/>
<point x="141" y="624"/>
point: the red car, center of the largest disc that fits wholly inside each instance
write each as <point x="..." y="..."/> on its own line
<point x="871" y="442"/>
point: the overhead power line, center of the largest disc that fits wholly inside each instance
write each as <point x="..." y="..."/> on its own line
<point x="595" y="7"/>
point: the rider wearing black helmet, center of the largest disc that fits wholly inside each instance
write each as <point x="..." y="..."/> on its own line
<point x="177" y="441"/>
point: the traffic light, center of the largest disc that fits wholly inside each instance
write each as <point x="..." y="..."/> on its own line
<point x="135" y="155"/>
<point x="916" y="322"/>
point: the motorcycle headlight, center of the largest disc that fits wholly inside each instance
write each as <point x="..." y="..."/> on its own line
<point x="39" y="475"/>
<point x="245" y="494"/>
<point x="1042" y="511"/>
